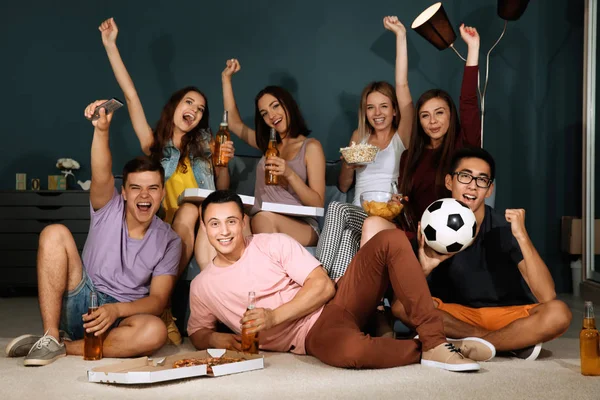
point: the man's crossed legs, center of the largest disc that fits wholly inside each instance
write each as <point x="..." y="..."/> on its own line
<point x="515" y="330"/>
<point x="63" y="288"/>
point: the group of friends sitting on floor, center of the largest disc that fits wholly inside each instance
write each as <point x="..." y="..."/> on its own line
<point x="496" y="296"/>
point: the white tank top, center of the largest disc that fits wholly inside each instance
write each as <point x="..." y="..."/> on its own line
<point x="380" y="174"/>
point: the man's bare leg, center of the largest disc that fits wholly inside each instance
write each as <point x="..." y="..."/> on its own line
<point x="138" y="335"/>
<point x="453" y="328"/>
<point x="59" y="269"/>
<point x="545" y="322"/>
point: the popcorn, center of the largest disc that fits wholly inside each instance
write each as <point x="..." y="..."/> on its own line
<point x="359" y="153"/>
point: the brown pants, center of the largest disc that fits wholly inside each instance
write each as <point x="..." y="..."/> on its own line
<point x="337" y="338"/>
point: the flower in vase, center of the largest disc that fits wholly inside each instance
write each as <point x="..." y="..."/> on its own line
<point x="66" y="166"/>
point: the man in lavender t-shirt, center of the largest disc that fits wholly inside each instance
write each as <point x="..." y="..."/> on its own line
<point x="130" y="260"/>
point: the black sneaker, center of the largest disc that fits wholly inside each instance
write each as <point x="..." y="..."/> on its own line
<point x="528" y="353"/>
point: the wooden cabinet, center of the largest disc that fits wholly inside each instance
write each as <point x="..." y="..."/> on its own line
<point x="23" y="215"/>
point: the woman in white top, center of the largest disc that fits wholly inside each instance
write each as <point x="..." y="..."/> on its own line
<point x="385" y="120"/>
<point x="380" y="174"/>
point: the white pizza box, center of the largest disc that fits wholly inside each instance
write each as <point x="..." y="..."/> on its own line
<point x="297" y="211"/>
<point x="146" y="370"/>
<point x="197" y="195"/>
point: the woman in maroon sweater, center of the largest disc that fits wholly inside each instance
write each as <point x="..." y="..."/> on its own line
<point x="437" y="133"/>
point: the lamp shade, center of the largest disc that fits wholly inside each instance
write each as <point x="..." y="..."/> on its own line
<point x="511" y="10"/>
<point x="434" y="26"/>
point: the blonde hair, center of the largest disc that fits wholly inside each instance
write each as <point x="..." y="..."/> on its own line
<point x="364" y="127"/>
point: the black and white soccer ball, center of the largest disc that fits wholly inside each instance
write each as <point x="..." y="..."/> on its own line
<point x="448" y="226"/>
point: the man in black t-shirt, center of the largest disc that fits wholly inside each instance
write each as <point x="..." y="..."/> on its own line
<point x="499" y="288"/>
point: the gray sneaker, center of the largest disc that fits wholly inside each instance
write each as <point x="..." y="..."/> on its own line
<point x="45" y="351"/>
<point x="20" y="346"/>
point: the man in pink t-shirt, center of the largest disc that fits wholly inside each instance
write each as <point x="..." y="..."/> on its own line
<point x="297" y="306"/>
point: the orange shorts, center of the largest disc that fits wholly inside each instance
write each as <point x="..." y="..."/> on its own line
<point x="488" y="318"/>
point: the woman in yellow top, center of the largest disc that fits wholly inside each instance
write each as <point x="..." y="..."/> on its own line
<point x="181" y="140"/>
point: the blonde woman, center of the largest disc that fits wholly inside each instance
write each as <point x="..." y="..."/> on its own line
<point x="385" y="119"/>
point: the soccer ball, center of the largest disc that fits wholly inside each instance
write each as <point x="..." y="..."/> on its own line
<point x="448" y="226"/>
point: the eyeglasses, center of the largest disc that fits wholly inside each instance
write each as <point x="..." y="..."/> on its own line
<point x="466" y="178"/>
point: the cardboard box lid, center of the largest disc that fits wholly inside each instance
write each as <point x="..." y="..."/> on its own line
<point x="298" y="211"/>
<point x="146" y="370"/>
<point x="197" y="195"/>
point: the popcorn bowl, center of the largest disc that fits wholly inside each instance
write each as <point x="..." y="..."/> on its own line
<point x="360" y="154"/>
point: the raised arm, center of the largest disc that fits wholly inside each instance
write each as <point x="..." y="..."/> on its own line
<point x="532" y="267"/>
<point x="346" y="178"/>
<point x="317" y="290"/>
<point x="405" y="102"/>
<point x="103" y="181"/>
<point x="236" y="125"/>
<point x="140" y="124"/>
<point x="470" y="115"/>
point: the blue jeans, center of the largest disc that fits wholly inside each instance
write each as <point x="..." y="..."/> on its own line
<point x="76" y="303"/>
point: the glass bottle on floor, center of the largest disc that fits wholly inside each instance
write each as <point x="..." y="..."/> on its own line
<point x="92" y="345"/>
<point x="589" y="342"/>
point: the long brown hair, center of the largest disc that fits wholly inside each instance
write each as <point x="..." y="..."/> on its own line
<point x="364" y="126"/>
<point x="419" y="140"/>
<point x="192" y="142"/>
<point x="296" y="124"/>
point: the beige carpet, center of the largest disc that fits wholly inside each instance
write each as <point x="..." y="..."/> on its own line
<point x="554" y="376"/>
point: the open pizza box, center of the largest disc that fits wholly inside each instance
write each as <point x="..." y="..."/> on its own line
<point x="146" y="370"/>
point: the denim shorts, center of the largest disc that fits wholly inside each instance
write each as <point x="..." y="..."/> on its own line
<point x="75" y="304"/>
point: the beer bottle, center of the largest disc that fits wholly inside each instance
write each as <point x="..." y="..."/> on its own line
<point x="92" y="345"/>
<point x="250" y="340"/>
<point x="222" y="136"/>
<point x="589" y="340"/>
<point x="270" y="177"/>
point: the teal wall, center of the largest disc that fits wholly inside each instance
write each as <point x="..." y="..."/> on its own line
<point x="53" y="65"/>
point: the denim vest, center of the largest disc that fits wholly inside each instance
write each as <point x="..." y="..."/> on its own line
<point x="202" y="169"/>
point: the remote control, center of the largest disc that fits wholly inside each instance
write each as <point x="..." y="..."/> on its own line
<point x="110" y="106"/>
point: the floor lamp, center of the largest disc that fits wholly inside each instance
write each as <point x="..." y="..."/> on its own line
<point x="433" y="24"/>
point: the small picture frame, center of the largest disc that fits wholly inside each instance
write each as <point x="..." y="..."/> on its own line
<point x="21" y="181"/>
<point x="57" y="182"/>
